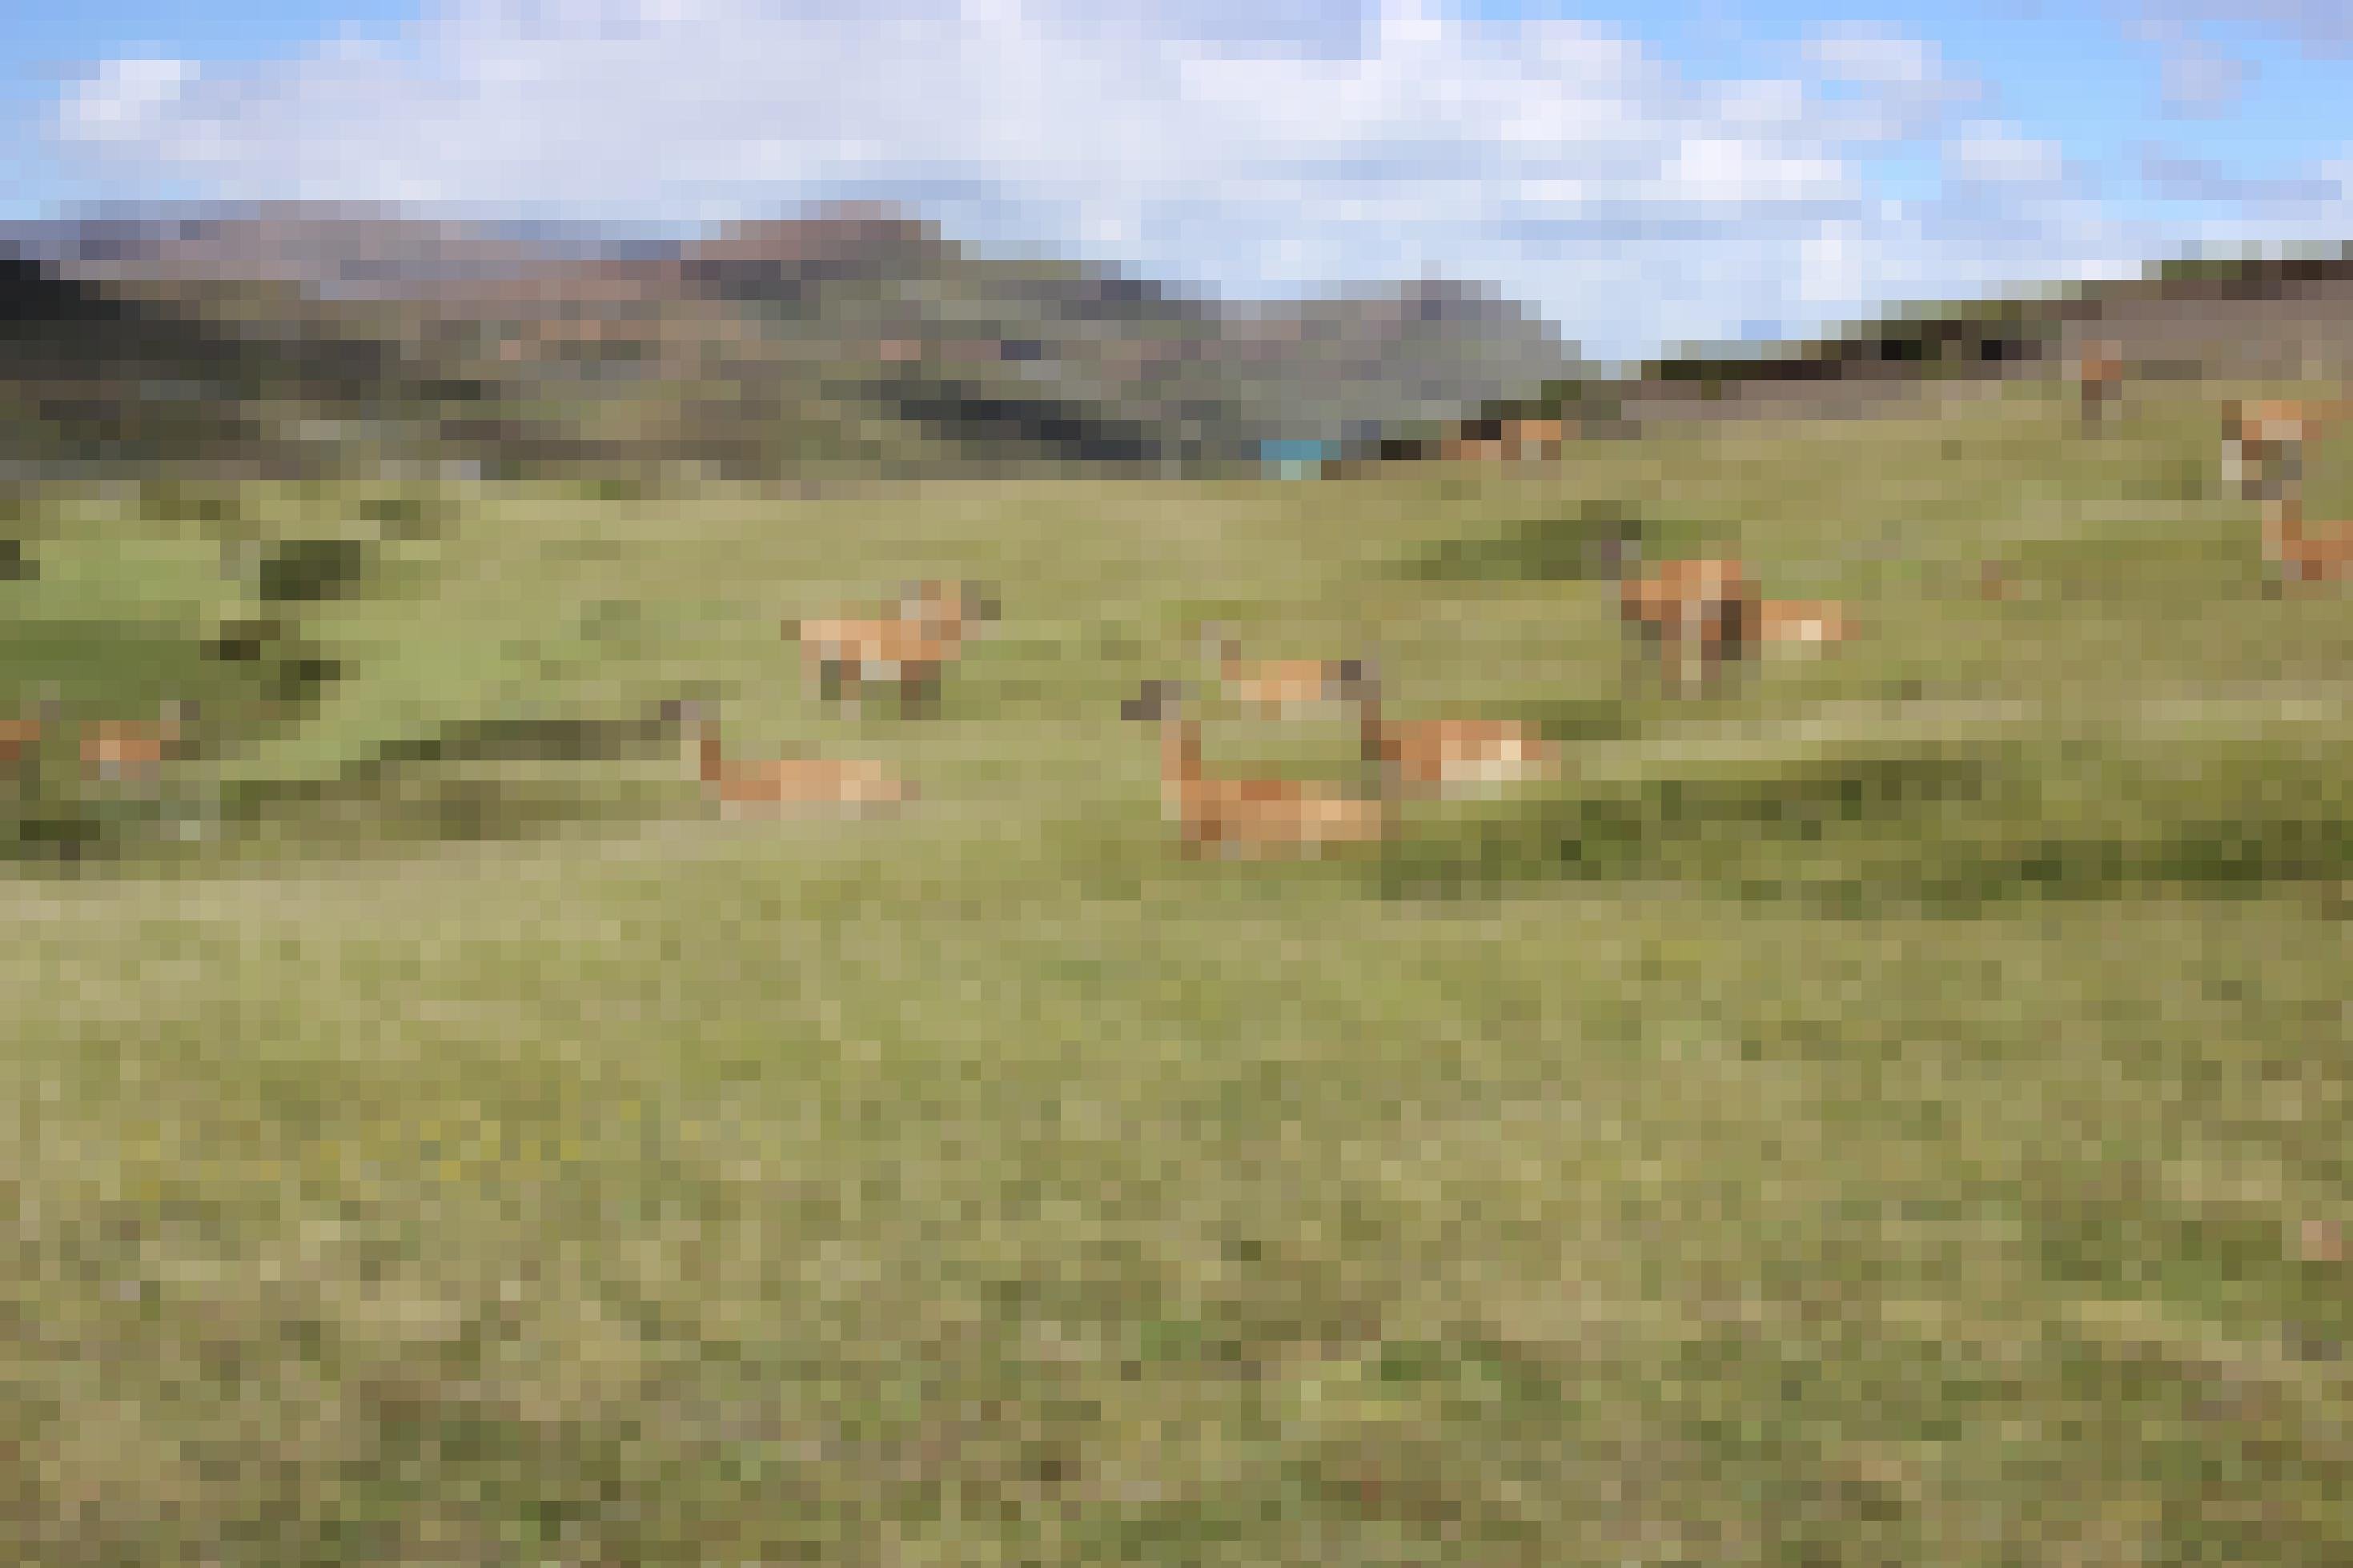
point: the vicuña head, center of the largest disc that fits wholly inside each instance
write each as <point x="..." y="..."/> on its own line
<point x="21" y="737"/>
<point x="944" y="605"/>
<point x="1156" y="701"/>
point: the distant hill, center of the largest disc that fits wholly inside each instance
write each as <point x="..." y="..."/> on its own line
<point x="95" y="373"/>
<point x="299" y="338"/>
<point x="2275" y="319"/>
<point x="300" y="335"/>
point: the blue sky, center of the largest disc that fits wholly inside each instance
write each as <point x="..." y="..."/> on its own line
<point x="1641" y="173"/>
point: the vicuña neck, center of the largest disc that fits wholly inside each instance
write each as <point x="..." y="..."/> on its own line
<point x="1180" y="747"/>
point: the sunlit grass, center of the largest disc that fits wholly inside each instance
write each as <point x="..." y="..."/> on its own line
<point x="1889" y="1112"/>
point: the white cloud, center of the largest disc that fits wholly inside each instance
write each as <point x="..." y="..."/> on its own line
<point x="125" y="100"/>
<point x="2199" y="79"/>
<point x="2276" y="212"/>
<point x="1882" y="84"/>
<point x="1873" y="55"/>
<point x="2176" y="177"/>
<point x="2202" y="81"/>
<point x="1989" y="152"/>
<point x="2324" y="26"/>
<point x="1712" y="171"/>
<point x="1831" y="263"/>
<point x="1562" y="161"/>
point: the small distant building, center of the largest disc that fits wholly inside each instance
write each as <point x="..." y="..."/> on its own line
<point x="1297" y="460"/>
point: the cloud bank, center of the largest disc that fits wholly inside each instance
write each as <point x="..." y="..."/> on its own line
<point x="1565" y="163"/>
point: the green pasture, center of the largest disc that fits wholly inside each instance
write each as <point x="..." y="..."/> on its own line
<point x="1890" y="1111"/>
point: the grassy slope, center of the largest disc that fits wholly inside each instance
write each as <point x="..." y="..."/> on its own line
<point x="990" y="1185"/>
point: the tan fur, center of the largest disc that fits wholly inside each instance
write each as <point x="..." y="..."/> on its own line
<point x="1702" y="614"/>
<point x="791" y="782"/>
<point x="1452" y="757"/>
<point x="2264" y="439"/>
<point x="1245" y="816"/>
<point x="1285" y="688"/>
<point x="908" y="652"/>
<point x="2099" y="372"/>
<point x="19" y="738"/>
<point x="117" y="751"/>
<point x="1533" y="437"/>
<point x="1802" y="625"/>
<point x="2293" y="556"/>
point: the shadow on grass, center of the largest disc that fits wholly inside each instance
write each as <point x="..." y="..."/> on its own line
<point x="408" y="808"/>
<point x="1949" y="836"/>
<point x="1570" y="720"/>
<point x="430" y="788"/>
<point x="1596" y="542"/>
<point x="309" y="571"/>
<point x="572" y="739"/>
<point x="406" y="795"/>
<point x="259" y="826"/>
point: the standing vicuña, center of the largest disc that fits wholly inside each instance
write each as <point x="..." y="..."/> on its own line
<point x="1699" y="614"/>
<point x="908" y="652"/>
<point x="2099" y="380"/>
<point x="2291" y="555"/>
<point x="2263" y="443"/>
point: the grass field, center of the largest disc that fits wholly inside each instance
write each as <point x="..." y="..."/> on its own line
<point x="1891" y="1112"/>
